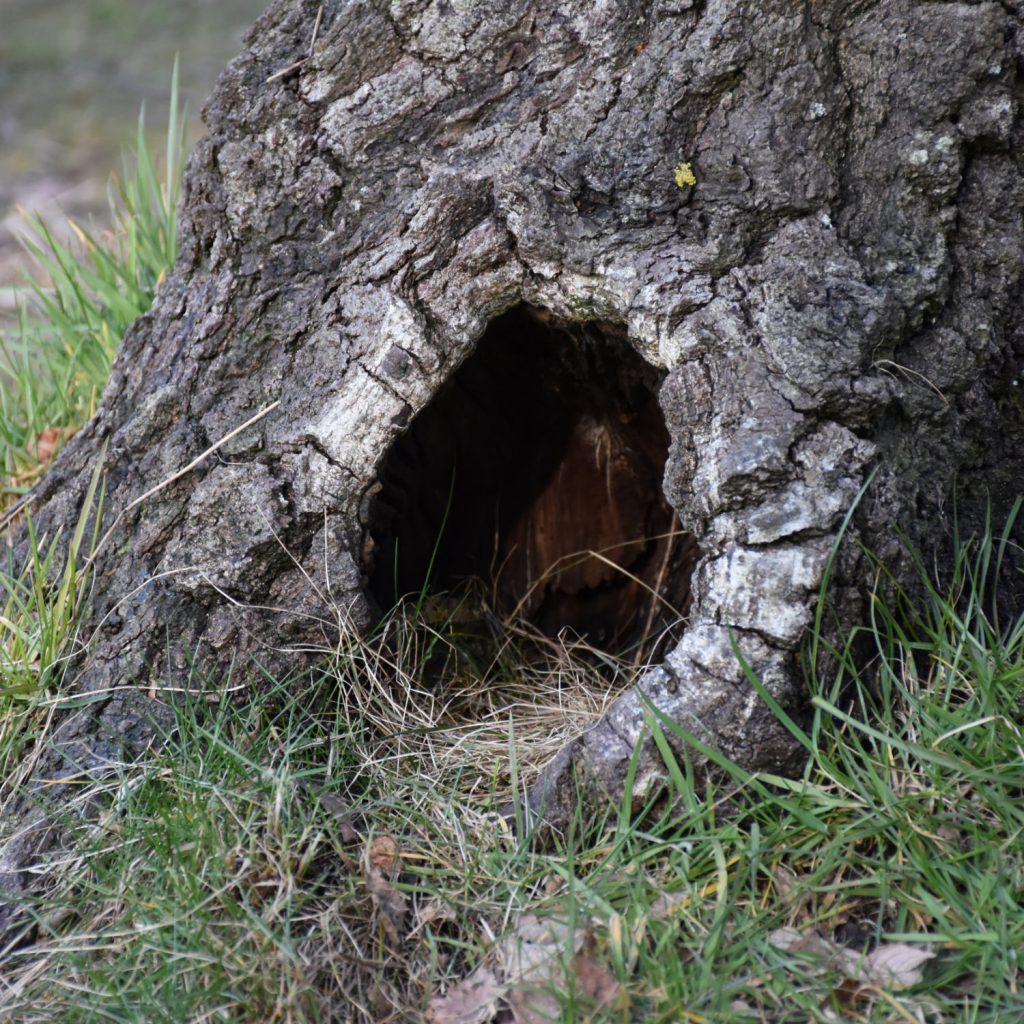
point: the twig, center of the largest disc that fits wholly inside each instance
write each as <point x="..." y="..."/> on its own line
<point x="287" y="70"/>
<point x="316" y="29"/>
<point x="295" y="65"/>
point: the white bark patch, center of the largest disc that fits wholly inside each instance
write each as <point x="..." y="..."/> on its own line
<point x="765" y="590"/>
<point x="380" y="394"/>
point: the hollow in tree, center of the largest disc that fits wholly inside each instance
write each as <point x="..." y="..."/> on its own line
<point x="537" y="468"/>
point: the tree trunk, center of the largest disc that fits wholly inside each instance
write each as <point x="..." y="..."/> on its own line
<point x="569" y="274"/>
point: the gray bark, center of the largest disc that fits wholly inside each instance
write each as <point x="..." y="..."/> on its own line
<point x="838" y="292"/>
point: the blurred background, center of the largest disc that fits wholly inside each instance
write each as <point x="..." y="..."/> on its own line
<point x="73" y="75"/>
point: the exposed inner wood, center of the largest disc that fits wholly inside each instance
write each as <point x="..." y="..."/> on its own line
<point x="538" y="469"/>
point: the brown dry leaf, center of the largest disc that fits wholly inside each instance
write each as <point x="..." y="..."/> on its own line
<point x="593" y="980"/>
<point x="346" y="818"/>
<point x="894" y="965"/>
<point x="435" y="909"/>
<point x="383" y="854"/>
<point x="792" y="940"/>
<point x="46" y="444"/>
<point x="473" y="1001"/>
<point x="389" y="903"/>
<point x="532" y="966"/>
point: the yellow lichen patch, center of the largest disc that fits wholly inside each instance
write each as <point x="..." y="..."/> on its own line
<point x="685" y="178"/>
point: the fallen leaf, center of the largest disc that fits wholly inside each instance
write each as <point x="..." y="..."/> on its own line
<point x="389" y="903"/>
<point x="895" y="965"/>
<point x="593" y="980"/>
<point x="46" y="444"/>
<point x="472" y="1001"/>
<point x="383" y="854"/>
<point x="435" y="909"/>
<point x="346" y="818"/>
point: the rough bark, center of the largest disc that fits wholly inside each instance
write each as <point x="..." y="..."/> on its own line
<point x="838" y="292"/>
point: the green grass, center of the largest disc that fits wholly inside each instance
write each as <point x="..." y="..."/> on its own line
<point x="329" y="847"/>
<point x="203" y="885"/>
<point x="55" y="360"/>
<point x="41" y="606"/>
<point x="42" y="602"/>
<point x="228" y="877"/>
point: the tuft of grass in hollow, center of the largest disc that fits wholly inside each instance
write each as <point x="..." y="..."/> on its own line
<point x="436" y="688"/>
<point x="56" y="357"/>
<point x="229" y="877"/>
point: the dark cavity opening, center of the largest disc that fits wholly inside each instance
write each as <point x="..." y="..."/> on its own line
<point x="548" y="443"/>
